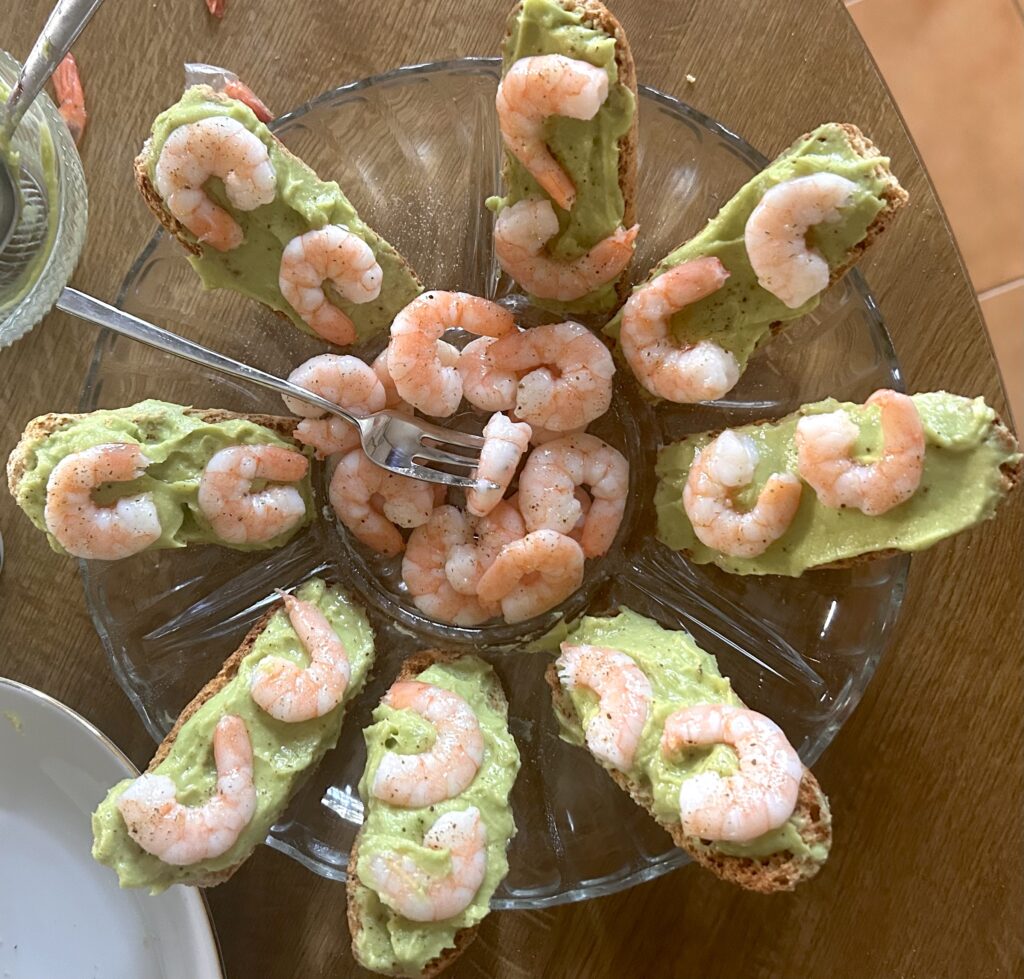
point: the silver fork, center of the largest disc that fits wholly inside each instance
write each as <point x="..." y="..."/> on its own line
<point x="393" y="441"/>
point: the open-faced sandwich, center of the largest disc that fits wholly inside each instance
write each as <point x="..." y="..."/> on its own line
<point x="240" y="750"/>
<point x="652" y="708"/>
<point x="431" y="852"/>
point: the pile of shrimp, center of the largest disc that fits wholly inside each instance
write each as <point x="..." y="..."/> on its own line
<point x="551" y="494"/>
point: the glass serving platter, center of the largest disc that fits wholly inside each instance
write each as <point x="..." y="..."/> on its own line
<point x="418" y="151"/>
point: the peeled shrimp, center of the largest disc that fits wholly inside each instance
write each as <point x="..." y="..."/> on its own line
<point x="183" y="835"/>
<point x="485" y="386"/>
<point x="236" y="513"/>
<point x="448" y="766"/>
<point x="335" y="255"/>
<point x="719" y="471"/>
<point x="533" y="574"/>
<point x="624" y="695"/>
<point x="505" y="443"/>
<point x="521" y="233"/>
<point x="67" y="86"/>
<point x="423" y="377"/>
<point x="760" y="797"/>
<point x="685" y="374"/>
<point x="468" y="560"/>
<point x="346" y="381"/>
<point x="392" y="399"/>
<point x="370" y="501"/>
<point x="551" y="476"/>
<point x="418" y="896"/>
<point x="104" y="533"/>
<point x="776" y="235"/>
<point x="825" y="442"/>
<point x="532" y="90"/>
<point x="292" y="694"/>
<point x="222" y="147"/>
<point x="566" y="374"/>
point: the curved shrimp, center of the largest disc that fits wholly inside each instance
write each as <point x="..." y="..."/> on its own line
<point x="238" y="515"/>
<point x="346" y="381"/>
<point x="684" y="374"/>
<point x="214" y="147"/>
<point x="553" y="472"/>
<point x="505" y="443"/>
<point x="566" y="374"/>
<point x="719" y="471"/>
<point x="416" y="895"/>
<point x="425" y="575"/>
<point x="532" y="90"/>
<point x="533" y="574"/>
<point x="776" y="235"/>
<point x="370" y="501"/>
<point x="825" y="443"/>
<point x="424" y="373"/>
<point x="468" y="560"/>
<point x="624" y="696"/>
<point x="483" y="385"/>
<point x="760" y="797"/>
<point x="448" y="766"/>
<point x="87" y="530"/>
<point x="67" y="86"/>
<point x="521" y="233"/>
<point x="392" y="399"/>
<point x="290" y="693"/>
<point x="332" y="254"/>
<point x="183" y="835"/>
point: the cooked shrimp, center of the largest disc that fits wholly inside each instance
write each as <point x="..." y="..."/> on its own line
<point x="534" y="89"/>
<point x="235" y="88"/>
<point x="719" y="471"/>
<point x="448" y="766"/>
<point x="292" y="694"/>
<point x="424" y="570"/>
<point x="685" y="374"/>
<point x="424" y="373"/>
<point x="468" y="560"/>
<point x="346" y="381"/>
<point x="533" y="574"/>
<point x="67" y="86"/>
<point x="551" y="476"/>
<point x="392" y="399"/>
<point x="520" y="235"/>
<point x="370" y="501"/>
<point x="776" y="235"/>
<point x="183" y="835"/>
<point x="485" y="386"/>
<point x="760" y="797"/>
<point x="104" y="533"/>
<point x="566" y="374"/>
<point x="825" y="443"/>
<point x="331" y="254"/>
<point x="624" y="698"/>
<point x="214" y="147"/>
<point x="239" y="515"/>
<point x="404" y="886"/>
<point x="505" y="443"/>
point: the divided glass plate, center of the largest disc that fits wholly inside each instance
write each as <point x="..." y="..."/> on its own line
<point x="418" y="151"/>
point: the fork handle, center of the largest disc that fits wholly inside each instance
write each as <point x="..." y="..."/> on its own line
<point x="87" y="308"/>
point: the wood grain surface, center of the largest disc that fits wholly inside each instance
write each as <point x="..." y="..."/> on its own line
<point x="925" y="780"/>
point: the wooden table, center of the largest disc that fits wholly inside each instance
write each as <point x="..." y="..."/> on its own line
<point x="925" y="780"/>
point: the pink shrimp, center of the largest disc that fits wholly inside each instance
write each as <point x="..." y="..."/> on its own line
<point x="505" y="443"/>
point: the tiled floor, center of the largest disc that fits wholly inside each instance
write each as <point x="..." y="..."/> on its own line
<point x="956" y="69"/>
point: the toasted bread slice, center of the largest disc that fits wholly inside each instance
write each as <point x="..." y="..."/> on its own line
<point x="778" y="872"/>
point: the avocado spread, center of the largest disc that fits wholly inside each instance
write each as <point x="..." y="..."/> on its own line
<point x="388" y="942"/>
<point x="739" y="315"/>
<point x="588" y="149"/>
<point x="283" y="753"/>
<point x="178" y="446"/>
<point x="960" y="487"/>
<point x="303" y="203"/>
<point x="681" y="675"/>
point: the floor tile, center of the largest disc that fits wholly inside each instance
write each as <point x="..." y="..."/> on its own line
<point x="1004" y="315"/>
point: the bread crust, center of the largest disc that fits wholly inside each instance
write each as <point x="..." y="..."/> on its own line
<point x="778" y="872"/>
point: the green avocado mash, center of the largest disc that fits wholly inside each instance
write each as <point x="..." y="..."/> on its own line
<point x="681" y="675"/>
<point x="388" y="942"/>
<point x="304" y="202"/>
<point x="739" y="315"/>
<point x="283" y="754"/>
<point x="960" y="487"/>
<point x="587" y="149"/>
<point x="178" y="445"/>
